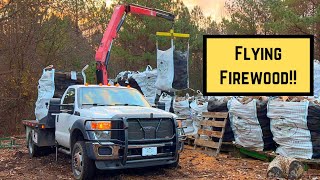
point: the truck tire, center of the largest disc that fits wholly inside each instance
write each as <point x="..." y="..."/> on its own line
<point x="82" y="166"/>
<point x="33" y="149"/>
<point x="175" y="164"/>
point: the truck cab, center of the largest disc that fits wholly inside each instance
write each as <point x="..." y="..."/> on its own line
<point x="113" y="127"/>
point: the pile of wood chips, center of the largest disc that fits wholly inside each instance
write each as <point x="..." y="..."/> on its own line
<point x="247" y="99"/>
<point x="298" y="99"/>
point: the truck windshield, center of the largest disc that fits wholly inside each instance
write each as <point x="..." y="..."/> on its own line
<point x="99" y="96"/>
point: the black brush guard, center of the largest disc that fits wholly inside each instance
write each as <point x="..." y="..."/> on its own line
<point x="120" y="136"/>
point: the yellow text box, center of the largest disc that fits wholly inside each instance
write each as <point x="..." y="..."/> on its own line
<point x="264" y="65"/>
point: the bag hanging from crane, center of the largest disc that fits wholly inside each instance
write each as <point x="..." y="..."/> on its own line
<point x="165" y="68"/>
<point x="181" y="70"/>
<point x="172" y="64"/>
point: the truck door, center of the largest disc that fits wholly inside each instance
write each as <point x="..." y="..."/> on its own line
<point x="63" y="124"/>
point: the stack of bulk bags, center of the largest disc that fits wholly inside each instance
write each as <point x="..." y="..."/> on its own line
<point x="245" y="124"/>
<point x="219" y="104"/>
<point x="289" y="126"/>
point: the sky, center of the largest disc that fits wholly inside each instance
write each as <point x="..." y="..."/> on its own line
<point x="213" y="8"/>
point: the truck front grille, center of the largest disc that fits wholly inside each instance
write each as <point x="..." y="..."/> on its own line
<point x="144" y="129"/>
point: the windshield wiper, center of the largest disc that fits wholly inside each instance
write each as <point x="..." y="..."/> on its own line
<point x="95" y="104"/>
<point x="127" y="104"/>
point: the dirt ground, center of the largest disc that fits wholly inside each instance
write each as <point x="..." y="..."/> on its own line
<point x="16" y="164"/>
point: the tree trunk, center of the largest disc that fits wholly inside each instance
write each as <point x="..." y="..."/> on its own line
<point x="285" y="167"/>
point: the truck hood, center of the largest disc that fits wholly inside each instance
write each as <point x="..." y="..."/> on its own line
<point x="102" y="112"/>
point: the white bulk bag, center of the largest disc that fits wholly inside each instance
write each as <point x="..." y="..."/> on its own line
<point x="45" y="93"/>
<point x="165" y="67"/>
<point x="146" y="80"/>
<point x="289" y="128"/>
<point x="245" y="124"/>
<point x="198" y="106"/>
<point x="166" y="99"/>
<point x="182" y="108"/>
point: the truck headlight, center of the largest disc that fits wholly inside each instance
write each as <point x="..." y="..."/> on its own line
<point x="100" y="125"/>
<point x="100" y="135"/>
<point x="98" y="130"/>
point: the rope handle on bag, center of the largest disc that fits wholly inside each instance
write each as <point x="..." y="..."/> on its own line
<point x="148" y="68"/>
<point x="199" y="92"/>
<point x="164" y="94"/>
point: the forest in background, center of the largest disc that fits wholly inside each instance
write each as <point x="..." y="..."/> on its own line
<point x="66" y="33"/>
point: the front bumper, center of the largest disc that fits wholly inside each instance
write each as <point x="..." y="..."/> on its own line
<point x="119" y="160"/>
<point x="111" y="165"/>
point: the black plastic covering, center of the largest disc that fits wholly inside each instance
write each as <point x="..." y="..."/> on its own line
<point x="313" y="123"/>
<point x="181" y="75"/>
<point x="264" y="122"/>
<point x="124" y="81"/>
<point x="215" y="105"/>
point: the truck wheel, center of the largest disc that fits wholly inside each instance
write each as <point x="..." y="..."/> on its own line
<point x="33" y="149"/>
<point x="82" y="166"/>
<point x="175" y="164"/>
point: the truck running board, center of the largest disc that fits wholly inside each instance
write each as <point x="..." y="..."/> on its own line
<point x="64" y="151"/>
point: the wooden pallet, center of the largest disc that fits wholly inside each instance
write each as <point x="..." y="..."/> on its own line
<point x="209" y="121"/>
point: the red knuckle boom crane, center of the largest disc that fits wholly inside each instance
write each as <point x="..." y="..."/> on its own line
<point x="117" y="19"/>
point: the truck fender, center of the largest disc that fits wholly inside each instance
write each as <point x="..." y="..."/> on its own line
<point x="76" y="129"/>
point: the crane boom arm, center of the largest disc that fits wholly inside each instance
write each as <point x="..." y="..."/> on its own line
<point x="117" y="19"/>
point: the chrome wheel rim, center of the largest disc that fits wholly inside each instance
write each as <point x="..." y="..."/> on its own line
<point x="78" y="162"/>
<point x="30" y="146"/>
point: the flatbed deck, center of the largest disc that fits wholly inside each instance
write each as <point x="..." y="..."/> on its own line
<point x="32" y="123"/>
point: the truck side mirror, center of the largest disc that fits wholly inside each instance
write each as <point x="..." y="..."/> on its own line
<point x="67" y="108"/>
<point x="54" y="105"/>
